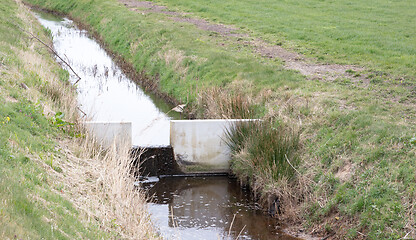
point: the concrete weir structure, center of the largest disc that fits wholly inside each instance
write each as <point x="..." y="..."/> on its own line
<point x="199" y="145"/>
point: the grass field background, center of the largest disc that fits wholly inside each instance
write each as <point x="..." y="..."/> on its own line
<point x="380" y="35"/>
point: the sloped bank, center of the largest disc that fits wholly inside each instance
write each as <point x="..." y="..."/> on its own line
<point x="52" y="183"/>
<point x="355" y="175"/>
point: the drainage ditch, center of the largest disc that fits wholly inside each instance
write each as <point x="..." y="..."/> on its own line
<point x="182" y="206"/>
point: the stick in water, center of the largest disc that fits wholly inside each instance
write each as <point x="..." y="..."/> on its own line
<point x="51" y="49"/>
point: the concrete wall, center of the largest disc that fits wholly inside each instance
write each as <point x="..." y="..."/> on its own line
<point x="201" y="143"/>
<point x="106" y="133"/>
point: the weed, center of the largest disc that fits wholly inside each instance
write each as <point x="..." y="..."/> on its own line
<point x="413" y="141"/>
<point x="65" y="126"/>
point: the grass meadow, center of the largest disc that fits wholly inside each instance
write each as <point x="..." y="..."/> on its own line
<point x="377" y="35"/>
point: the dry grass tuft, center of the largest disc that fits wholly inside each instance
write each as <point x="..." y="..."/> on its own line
<point x="175" y="59"/>
<point x="220" y="103"/>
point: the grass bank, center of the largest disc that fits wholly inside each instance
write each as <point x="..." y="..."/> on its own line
<point x="54" y="182"/>
<point x="354" y="174"/>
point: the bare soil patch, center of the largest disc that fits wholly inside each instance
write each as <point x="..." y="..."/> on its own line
<point x="207" y="26"/>
<point x="292" y="60"/>
<point x="298" y="62"/>
<point x="11" y="99"/>
<point x="146" y="7"/>
<point x="142" y="4"/>
<point x="346" y="172"/>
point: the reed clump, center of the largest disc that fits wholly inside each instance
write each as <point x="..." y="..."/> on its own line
<point x="265" y="152"/>
<point x="262" y="150"/>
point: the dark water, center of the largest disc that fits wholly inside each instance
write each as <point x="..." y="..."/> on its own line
<point x="182" y="208"/>
<point x="204" y="208"/>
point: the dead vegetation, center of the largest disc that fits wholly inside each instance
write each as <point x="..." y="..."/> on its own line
<point x="99" y="183"/>
<point x="219" y="103"/>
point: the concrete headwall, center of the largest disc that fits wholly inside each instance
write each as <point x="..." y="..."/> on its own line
<point x="106" y="133"/>
<point x="154" y="161"/>
<point x="199" y="144"/>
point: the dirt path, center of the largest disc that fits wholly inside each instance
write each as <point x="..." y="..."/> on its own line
<point x="292" y="60"/>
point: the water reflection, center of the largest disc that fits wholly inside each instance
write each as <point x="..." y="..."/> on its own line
<point x="104" y="92"/>
<point x="205" y="208"/>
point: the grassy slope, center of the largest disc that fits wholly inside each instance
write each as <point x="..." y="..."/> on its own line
<point x="31" y="206"/>
<point x="356" y="139"/>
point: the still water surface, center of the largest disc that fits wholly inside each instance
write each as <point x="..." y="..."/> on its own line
<point x="208" y="208"/>
<point x="182" y="208"/>
<point x="104" y="91"/>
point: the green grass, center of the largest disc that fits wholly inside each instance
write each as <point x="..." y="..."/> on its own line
<point x="30" y="204"/>
<point x="30" y="208"/>
<point x="346" y="126"/>
<point x="380" y="36"/>
<point x="384" y="161"/>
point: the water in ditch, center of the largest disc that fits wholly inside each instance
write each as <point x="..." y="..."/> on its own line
<point x="105" y="93"/>
<point x="182" y="208"/>
<point x="208" y="208"/>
